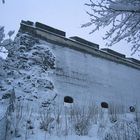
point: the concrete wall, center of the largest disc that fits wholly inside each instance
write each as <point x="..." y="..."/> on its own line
<point x="84" y="76"/>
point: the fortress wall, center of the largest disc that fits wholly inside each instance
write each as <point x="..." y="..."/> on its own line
<point x="85" y="72"/>
<point x="84" y="76"/>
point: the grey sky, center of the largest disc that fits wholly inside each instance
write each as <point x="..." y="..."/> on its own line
<point x="66" y="15"/>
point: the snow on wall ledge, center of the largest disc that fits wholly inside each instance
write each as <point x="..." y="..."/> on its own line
<point x="85" y="72"/>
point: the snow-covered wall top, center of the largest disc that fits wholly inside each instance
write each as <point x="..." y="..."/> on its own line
<point x="83" y="71"/>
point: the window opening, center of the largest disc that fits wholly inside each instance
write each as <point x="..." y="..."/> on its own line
<point x="68" y="99"/>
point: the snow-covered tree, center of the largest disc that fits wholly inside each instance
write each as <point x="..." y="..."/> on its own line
<point x="26" y="69"/>
<point x="121" y="17"/>
<point x="26" y="66"/>
<point x="4" y="42"/>
<point x="2" y="35"/>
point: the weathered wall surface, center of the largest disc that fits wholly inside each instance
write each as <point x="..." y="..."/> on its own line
<point x="84" y="76"/>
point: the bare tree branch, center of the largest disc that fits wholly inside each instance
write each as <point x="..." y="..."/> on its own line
<point x="121" y="17"/>
<point x="3" y="1"/>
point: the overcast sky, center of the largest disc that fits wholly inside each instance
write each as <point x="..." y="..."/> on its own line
<point x="66" y="15"/>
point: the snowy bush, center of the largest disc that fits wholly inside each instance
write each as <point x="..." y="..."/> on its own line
<point x="46" y="122"/>
<point x="58" y="120"/>
<point x="114" y="111"/>
<point x="82" y="126"/>
<point x="18" y="117"/>
<point x="137" y="118"/>
<point x="122" y="130"/>
<point x="81" y="118"/>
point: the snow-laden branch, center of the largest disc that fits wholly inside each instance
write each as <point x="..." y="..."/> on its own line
<point x="4" y="43"/>
<point x="121" y="17"/>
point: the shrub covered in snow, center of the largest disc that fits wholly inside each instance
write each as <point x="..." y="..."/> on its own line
<point x="122" y="130"/>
